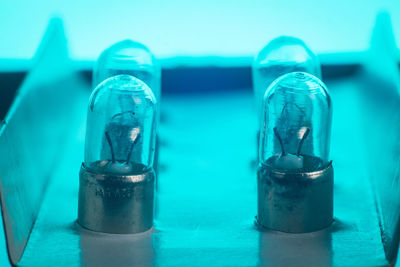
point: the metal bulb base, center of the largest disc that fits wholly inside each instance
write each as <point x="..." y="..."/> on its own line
<point x="117" y="204"/>
<point x="295" y="202"/>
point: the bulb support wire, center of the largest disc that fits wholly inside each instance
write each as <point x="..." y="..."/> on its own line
<point x="283" y="153"/>
<point x="110" y="143"/>
<point x="131" y="148"/>
<point x="302" y="140"/>
<point x="111" y="146"/>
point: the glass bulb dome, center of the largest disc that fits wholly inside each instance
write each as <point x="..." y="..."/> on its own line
<point x="129" y="57"/>
<point x="120" y="132"/>
<point x="282" y="55"/>
<point x="296" y="125"/>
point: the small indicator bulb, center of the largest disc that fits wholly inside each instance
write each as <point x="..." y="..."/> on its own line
<point x="295" y="175"/>
<point x="117" y="179"/>
<point x="129" y="57"/>
<point x="282" y="55"/>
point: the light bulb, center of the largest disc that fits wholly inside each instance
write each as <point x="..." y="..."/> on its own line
<point x="117" y="177"/>
<point x="282" y="55"/>
<point x="295" y="176"/>
<point x="129" y="57"/>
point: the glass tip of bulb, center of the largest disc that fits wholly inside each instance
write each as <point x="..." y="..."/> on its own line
<point x="132" y="58"/>
<point x="128" y="51"/>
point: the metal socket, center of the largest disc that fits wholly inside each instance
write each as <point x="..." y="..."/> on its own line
<point x="118" y="204"/>
<point x="295" y="202"/>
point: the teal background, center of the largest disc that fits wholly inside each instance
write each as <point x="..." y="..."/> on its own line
<point x="192" y="28"/>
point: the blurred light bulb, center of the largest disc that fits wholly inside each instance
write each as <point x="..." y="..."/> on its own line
<point x="135" y="59"/>
<point x="295" y="177"/>
<point x="281" y="56"/>
<point x="129" y="57"/>
<point x="117" y="177"/>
